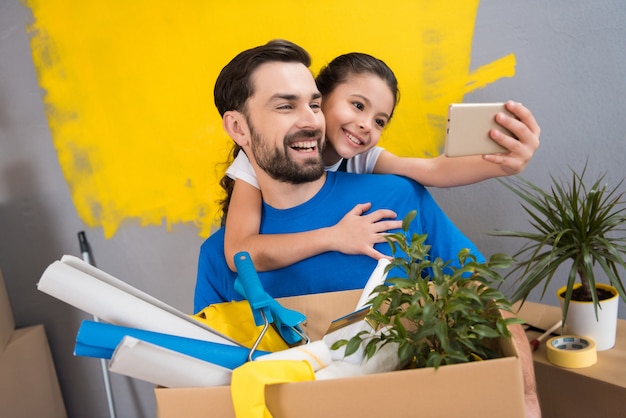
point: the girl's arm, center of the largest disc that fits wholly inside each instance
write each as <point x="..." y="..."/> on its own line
<point x="442" y="171"/>
<point x="355" y="233"/>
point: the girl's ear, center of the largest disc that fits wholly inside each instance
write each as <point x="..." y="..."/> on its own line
<point x="236" y="127"/>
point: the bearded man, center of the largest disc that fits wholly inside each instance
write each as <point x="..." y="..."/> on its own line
<point x="270" y="107"/>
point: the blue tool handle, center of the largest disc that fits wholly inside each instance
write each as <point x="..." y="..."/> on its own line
<point x="256" y="313"/>
<point x="239" y="288"/>
<point x="251" y="287"/>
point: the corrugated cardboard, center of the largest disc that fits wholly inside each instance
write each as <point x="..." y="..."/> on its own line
<point x="601" y="388"/>
<point x="7" y="322"/>
<point x="28" y="380"/>
<point x="489" y="388"/>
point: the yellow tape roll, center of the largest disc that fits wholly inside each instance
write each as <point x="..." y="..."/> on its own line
<point x="571" y="351"/>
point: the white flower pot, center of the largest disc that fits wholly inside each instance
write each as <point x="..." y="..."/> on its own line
<point x="581" y="318"/>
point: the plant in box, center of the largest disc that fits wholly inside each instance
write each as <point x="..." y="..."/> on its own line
<point x="583" y="226"/>
<point x="438" y="313"/>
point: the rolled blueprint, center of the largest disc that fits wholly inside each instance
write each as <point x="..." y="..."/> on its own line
<point x="145" y="361"/>
<point x="95" y="292"/>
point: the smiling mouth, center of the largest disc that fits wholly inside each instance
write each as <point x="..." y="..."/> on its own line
<point x="306" y="146"/>
<point x="352" y="138"/>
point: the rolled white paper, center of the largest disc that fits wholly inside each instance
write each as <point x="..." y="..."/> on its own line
<point x="377" y="277"/>
<point x="316" y="353"/>
<point x="158" y="365"/>
<point x="116" y="302"/>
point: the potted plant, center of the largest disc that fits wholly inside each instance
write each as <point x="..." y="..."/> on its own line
<point x="438" y="313"/>
<point x="581" y="226"/>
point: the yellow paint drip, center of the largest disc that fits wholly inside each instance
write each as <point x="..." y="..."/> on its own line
<point x="128" y="88"/>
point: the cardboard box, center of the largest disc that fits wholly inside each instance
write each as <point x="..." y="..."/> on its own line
<point x="478" y="389"/>
<point x="7" y="322"/>
<point x="600" y="387"/>
<point x="28" y="380"/>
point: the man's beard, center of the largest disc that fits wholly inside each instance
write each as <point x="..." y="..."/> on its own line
<point x="280" y="166"/>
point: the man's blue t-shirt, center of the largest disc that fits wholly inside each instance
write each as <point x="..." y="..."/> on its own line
<point x="331" y="271"/>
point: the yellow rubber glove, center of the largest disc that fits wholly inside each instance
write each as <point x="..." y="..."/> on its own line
<point x="248" y="382"/>
<point x="235" y="320"/>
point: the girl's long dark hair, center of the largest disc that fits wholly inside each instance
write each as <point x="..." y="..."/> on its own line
<point x="227" y="184"/>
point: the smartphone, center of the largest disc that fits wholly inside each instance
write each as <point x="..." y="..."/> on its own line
<point x="468" y="129"/>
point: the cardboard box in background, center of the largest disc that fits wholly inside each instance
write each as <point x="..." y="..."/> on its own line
<point x="478" y="389"/>
<point x="7" y="322"/>
<point x="600" y="387"/>
<point x="28" y="381"/>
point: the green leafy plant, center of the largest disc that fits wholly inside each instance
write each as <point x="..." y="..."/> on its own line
<point x="572" y="223"/>
<point x="439" y="313"/>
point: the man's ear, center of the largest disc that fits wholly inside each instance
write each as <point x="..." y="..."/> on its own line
<point x="236" y="127"/>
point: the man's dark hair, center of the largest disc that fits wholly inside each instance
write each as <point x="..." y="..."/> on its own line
<point x="234" y="87"/>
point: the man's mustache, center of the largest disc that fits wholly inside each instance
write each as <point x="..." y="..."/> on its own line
<point x="303" y="134"/>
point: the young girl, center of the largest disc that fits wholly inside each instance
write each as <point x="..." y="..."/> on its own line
<point x="359" y="94"/>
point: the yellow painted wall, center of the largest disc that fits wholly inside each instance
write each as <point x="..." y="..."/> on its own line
<point x="128" y="88"/>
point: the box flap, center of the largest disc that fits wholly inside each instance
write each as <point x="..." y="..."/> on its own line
<point x="7" y="321"/>
<point x="28" y="383"/>
<point x="322" y="308"/>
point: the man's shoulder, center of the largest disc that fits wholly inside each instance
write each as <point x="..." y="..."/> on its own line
<point x="214" y="240"/>
<point x="212" y="253"/>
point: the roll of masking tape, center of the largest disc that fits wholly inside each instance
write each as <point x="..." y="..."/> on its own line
<point x="571" y="351"/>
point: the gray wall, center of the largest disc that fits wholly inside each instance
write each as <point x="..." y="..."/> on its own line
<point x="571" y="67"/>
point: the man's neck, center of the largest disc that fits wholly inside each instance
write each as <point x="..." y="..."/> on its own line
<point x="282" y="195"/>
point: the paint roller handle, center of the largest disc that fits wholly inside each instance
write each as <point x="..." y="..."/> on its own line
<point x="251" y="287"/>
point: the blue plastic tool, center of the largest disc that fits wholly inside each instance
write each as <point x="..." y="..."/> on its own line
<point x="266" y="309"/>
